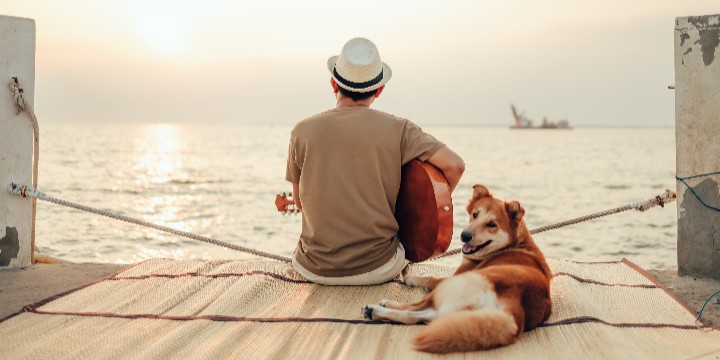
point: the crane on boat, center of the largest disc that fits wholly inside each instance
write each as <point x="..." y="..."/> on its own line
<point x="522" y="122"/>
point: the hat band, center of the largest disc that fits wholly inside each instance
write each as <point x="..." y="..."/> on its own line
<point x="357" y="85"/>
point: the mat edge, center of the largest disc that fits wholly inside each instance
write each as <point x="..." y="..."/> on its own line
<point x="677" y="299"/>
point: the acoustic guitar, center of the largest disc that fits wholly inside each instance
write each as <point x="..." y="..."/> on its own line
<point x="423" y="210"/>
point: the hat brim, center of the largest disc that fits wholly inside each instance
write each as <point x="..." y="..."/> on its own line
<point x="387" y="74"/>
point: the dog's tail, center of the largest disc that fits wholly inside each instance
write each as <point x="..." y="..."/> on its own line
<point x="467" y="330"/>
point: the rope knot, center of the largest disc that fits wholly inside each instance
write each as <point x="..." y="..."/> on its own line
<point x="660" y="201"/>
<point x="17" y="93"/>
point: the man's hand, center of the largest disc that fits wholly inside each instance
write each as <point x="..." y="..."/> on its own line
<point x="450" y="164"/>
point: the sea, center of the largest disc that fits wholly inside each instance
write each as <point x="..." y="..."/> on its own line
<point x="220" y="181"/>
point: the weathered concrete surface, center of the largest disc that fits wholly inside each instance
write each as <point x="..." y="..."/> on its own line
<point x="697" y="134"/>
<point x="17" y="59"/>
<point x="23" y="286"/>
<point x="693" y="291"/>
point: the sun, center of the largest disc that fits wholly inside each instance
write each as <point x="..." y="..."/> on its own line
<point x="163" y="32"/>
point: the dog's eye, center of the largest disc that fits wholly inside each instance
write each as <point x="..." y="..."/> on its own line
<point x="475" y="215"/>
<point x="491" y="224"/>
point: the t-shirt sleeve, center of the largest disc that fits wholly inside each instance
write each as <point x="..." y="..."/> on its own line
<point x="416" y="144"/>
<point x="292" y="172"/>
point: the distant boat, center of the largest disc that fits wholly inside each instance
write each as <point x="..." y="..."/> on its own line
<point x="522" y="122"/>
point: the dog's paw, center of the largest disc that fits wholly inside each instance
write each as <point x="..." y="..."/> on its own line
<point x="367" y="312"/>
<point x="373" y="312"/>
<point x="383" y="302"/>
<point x="412" y="280"/>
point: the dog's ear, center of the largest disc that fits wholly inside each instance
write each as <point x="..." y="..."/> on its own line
<point x="515" y="211"/>
<point x="480" y="192"/>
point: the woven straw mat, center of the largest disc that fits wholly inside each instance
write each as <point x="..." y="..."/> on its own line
<point x="259" y="309"/>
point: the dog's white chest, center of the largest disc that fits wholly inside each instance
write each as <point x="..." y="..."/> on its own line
<point x="469" y="291"/>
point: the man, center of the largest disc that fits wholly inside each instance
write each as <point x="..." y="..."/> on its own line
<point x="345" y="166"/>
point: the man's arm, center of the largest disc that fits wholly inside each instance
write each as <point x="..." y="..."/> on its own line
<point x="296" y="195"/>
<point x="450" y="163"/>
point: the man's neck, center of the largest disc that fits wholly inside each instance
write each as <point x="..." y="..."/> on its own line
<point x="343" y="101"/>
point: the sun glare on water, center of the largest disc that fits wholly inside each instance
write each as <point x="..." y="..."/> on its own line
<point x="159" y="164"/>
<point x="160" y="160"/>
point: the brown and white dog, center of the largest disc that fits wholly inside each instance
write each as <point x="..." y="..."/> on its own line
<point x="501" y="288"/>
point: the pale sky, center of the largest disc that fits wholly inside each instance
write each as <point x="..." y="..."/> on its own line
<point x="596" y="63"/>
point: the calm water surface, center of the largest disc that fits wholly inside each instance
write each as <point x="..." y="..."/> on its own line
<point x="220" y="181"/>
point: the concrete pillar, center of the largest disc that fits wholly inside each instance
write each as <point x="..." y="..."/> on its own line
<point x="17" y="59"/>
<point x="697" y="136"/>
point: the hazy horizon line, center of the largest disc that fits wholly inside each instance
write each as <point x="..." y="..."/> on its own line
<point x="493" y="125"/>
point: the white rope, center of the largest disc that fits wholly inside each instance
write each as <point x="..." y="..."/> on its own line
<point x="23" y="106"/>
<point x="667" y="197"/>
<point x="33" y="193"/>
<point x="24" y="191"/>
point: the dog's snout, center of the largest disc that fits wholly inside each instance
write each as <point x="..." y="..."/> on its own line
<point x="466" y="236"/>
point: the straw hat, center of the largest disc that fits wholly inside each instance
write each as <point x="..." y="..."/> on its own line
<point x="358" y="68"/>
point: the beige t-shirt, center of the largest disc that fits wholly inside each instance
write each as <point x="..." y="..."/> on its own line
<point x="348" y="162"/>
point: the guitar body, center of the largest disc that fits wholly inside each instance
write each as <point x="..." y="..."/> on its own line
<point x="424" y="211"/>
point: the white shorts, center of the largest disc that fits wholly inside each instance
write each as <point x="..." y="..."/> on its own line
<point x="384" y="273"/>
